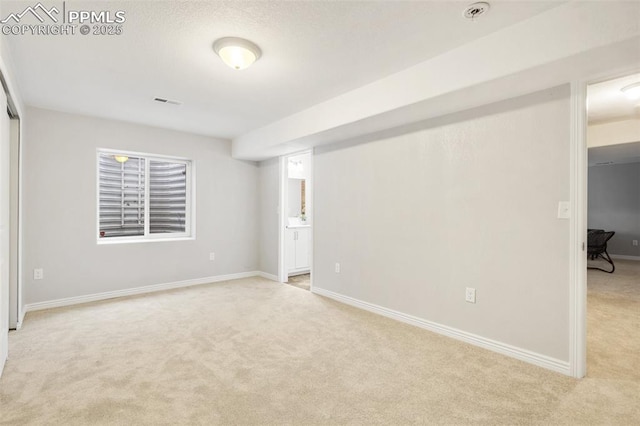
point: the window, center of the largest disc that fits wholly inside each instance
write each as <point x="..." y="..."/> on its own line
<point x="143" y="197"/>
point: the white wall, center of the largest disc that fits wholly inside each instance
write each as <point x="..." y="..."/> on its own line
<point x="269" y="183"/>
<point x="59" y="201"/>
<point x="614" y="205"/>
<point x="467" y="200"/>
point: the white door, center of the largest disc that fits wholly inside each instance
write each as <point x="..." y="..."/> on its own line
<point x="4" y="229"/>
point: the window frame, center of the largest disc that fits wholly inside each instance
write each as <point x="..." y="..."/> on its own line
<point x="190" y="203"/>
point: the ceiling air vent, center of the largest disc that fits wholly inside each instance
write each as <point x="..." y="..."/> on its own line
<point x="167" y="101"/>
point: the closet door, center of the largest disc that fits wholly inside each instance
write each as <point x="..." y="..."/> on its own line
<point x="5" y="135"/>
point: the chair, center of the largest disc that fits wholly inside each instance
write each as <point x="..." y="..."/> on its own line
<point x="597" y="247"/>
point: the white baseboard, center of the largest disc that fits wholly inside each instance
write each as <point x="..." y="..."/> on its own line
<point x="133" y="291"/>
<point x="624" y="257"/>
<point x="492" y="345"/>
<point x="268" y="276"/>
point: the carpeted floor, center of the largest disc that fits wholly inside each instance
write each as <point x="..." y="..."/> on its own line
<point x="256" y="352"/>
<point x="613" y="323"/>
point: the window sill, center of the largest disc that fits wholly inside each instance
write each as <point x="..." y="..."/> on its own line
<point x="106" y="242"/>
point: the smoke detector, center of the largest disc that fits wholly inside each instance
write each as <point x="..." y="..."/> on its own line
<point x="475" y="10"/>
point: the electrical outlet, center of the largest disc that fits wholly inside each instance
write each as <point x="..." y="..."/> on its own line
<point x="38" y="274"/>
<point x="337" y="268"/>
<point x="212" y="256"/>
<point x="470" y="295"/>
<point x="635" y="242"/>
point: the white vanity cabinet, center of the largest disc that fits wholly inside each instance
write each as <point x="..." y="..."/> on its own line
<point x="298" y="249"/>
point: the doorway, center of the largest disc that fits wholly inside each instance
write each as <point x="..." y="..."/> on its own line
<point x="7" y="307"/>
<point x="296" y="220"/>
<point x="10" y="283"/>
<point x="613" y="222"/>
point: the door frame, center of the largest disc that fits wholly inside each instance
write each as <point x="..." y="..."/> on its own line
<point x="16" y="313"/>
<point x="283" y="276"/>
<point x="578" y="230"/>
<point x="15" y="225"/>
<point x="579" y="214"/>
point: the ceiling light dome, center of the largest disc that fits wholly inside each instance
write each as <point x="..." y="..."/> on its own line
<point x="632" y="91"/>
<point x="238" y="53"/>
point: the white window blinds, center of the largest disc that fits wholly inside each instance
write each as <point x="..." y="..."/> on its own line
<point x="167" y="197"/>
<point x="142" y="196"/>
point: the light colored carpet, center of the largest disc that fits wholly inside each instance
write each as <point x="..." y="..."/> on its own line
<point x="613" y="323"/>
<point x="257" y="352"/>
<point x="610" y="394"/>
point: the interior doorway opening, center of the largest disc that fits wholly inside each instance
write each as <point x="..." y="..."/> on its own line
<point x="296" y="220"/>
<point x="10" y="288"/>
<point x="613" y="223"/>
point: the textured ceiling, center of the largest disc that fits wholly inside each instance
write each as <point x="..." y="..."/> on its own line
<point x="606" y="102"/>
<point x="312" y="51"/>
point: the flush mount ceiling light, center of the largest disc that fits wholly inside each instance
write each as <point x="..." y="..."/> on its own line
<point x="632" y="91"/>
<point x="238" y="53"/>
<point x="474" y="10"/>
<point x="121" y="158"/>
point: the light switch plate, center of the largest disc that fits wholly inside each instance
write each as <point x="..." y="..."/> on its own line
<point x="564" y="210"/>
